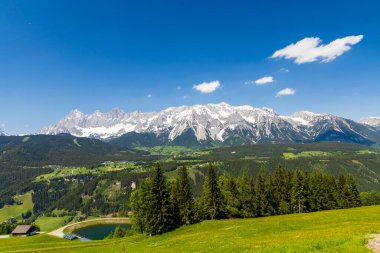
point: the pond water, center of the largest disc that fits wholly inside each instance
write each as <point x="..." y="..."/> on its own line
<point x="98" y="232"/>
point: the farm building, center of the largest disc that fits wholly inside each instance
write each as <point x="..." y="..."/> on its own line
<point x="24" y="230"/>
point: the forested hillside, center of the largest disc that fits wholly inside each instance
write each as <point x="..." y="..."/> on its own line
<point x="91" y="177"/>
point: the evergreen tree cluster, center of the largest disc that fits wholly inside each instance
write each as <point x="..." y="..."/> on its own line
<point x="161" y="205"/>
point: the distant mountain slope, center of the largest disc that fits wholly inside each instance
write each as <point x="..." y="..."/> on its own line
<point x="2" y="133"/>
<point x="213" y="124"/>
<point x="371" y="121"/>
<point x="38" y="150"/>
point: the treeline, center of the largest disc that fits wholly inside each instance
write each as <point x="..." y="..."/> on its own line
<point x="160" y="205"/>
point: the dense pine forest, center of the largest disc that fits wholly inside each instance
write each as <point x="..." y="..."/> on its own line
<point x="161" y="205"/>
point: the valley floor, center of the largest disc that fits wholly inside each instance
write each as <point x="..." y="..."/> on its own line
<point x="328" y="231"/>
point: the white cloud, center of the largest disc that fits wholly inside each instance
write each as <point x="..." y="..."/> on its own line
<point x="310" y="49"/>
<point x="149" y="95"/>
<point x="207" y="87"/>
<point x="264" y="80"/>
<point x="286" y="92"/>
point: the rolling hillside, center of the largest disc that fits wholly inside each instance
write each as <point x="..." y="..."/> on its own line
<point x="328" y="231"/>
<point x="55" y="164"/>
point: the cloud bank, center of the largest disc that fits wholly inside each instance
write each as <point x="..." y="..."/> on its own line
<point x="310" y="49"/>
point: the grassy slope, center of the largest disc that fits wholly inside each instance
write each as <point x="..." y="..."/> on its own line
<point x="48" y="224"/>
<point x="329" y="231"/>
<point x="16" y="210"/>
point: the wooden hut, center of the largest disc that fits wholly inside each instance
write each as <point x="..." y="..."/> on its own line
<point x="24" y="230"/>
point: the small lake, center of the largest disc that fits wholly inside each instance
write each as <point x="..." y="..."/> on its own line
<point x="98" y="232"/>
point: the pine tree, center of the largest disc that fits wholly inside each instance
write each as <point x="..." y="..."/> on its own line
<point x="212" y="199"/>
<point x="261" y="191"/>
<point x="174" y="204"/>
<point x="298" y="198"/>
<point x="274" y="196"/>
<point x="185" y="198"/>
<point x="317" y="192"/>
<point x="341" y="192"/>
<point x="230" y="195"/>
<point x="332" y="196"/>
<point x="246" y="195"/>
<point x="352" y="192"/>
<point x="140" y="204"/>
<point x="160" y="216"/>
<point x="282" y="187"/>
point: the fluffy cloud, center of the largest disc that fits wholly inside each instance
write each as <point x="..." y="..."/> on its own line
<point x="286" y="92"/>
<point x="311" y="50"/>
<point x="264" y="80"/>
<point x="207" y="87"/>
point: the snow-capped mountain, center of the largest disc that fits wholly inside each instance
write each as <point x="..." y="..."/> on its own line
<point x="371" y="121"/>
<point x="2" y="133"/>
<point x="214" y="123"/>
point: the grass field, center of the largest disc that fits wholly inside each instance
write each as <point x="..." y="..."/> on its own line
<point x="102" y="169"/>
<point x="307" y="154"/>
<point x="328" y="231"/>
<point x="48" y="224"/>
<point x="16" y="210"/>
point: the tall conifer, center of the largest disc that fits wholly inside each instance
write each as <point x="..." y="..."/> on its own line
<point x="298" y="191"/>
<point x="212" y="199"/>
<point x="185" y="198"/>
<point x="246" y="195"/>
<point x="160" y="216"/>
<point x="261" y="191"/>
<point x="353" y="192"/>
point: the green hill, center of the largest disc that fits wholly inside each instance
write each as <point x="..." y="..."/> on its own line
<point x="24" y="204"/>
<point x="327" y="231"/>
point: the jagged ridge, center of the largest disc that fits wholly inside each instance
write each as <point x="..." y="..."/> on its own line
<point x="210" y="123"/>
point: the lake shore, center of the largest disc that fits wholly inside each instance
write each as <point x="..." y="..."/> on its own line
<point x="98" y="221"/>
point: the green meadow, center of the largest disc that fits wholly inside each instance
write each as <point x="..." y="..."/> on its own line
<point x="325" y="231"/>
<point x="307" y="154"/>
<point x="47" y="224"/>
<point x="16" y="210"/>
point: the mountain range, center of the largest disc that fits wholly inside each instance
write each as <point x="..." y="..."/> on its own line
<point x="212" y="124"/>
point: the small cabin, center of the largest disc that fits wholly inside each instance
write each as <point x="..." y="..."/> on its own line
<point x="24" y="230"/>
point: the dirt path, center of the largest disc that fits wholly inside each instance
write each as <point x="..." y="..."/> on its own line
<point x="374" y="243"/>
<point x="59" y="231"/>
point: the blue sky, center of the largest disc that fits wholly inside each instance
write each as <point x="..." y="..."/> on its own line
<point x="56" y="56"/>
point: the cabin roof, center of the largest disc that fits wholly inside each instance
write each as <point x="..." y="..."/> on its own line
<point x="22" y="229"/>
